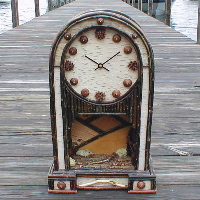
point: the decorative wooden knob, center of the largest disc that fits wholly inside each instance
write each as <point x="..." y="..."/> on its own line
<point x="72" y="51"/>
<point x="61" y="185"/>
<point x="100" y="34"/>
<point x="133" y="65"/>
<point x="100" y="20"/>
<point x="100" y="96"/>
<point x="83" y="39"/>
<point x="141" y="185"/>
<point x="67" y="36"/>
<point x="116" y="38"/>
<point x="116" y="93"/>
<point x="74" y="81"/>
<point x="127" y="49"/>
<point x="127" y="82"/>
<point x="69" y="65"/>
<point x="85" y="92"/>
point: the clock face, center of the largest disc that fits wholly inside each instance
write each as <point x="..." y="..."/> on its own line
<point x="101" y="64"/>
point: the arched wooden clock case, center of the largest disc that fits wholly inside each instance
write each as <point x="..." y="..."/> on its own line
<point x="101" y="87"/>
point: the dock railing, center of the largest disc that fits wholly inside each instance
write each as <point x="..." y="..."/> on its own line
<point x="139" y="5"/>
<point x="15" y="14"/>
<point x="52" y="4"/>
<point x="167" y="12"/>
<point x="37" y="8"/>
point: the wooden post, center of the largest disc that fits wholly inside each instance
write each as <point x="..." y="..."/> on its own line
<point x="15" y="14"/>
<point x="150" y="7"/>
<point x="167" y="12"/>
<point x="58" y="3"/>
<point x="50" y="7"/>
<point x="133" y="3"/>
<point x="37" y="8"/>
<point x="198" y="25"/>
<point x="140" y="5"/>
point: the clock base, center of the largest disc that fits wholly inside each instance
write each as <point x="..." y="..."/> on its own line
<point x="133" y="181"/>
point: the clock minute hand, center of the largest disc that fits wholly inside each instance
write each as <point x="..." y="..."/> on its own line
<point x="111" y="57"/>
<point x="91" y="59"/>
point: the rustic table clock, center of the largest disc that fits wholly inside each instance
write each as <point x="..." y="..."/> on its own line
<point x="101" y="84"/>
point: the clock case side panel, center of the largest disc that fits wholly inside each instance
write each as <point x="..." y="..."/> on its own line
<point x="150" y="66"/>
<point x="150" y="113"/>
<point x="52" y="66"/>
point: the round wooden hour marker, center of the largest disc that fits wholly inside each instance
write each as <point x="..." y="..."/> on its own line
<point x="127" y="49"/>
<point x="116" y="93"/>
<point x="74" y="81"/>
<point x="134" y="35"/>
<point x="85" y="92"/>
<point x="67" y="36"/>
<point x="127" y="82"/>
<point x="116" y="38"/>
<point x="83" y="39"/>
<point x="100" y="20"/>
<point x="72" y="51"/>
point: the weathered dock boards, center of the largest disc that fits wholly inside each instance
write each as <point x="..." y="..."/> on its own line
<point x="25" y="137"/>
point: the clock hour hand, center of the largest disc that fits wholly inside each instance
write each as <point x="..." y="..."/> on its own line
<point x="100" y="65"/>
<point x="92" y="60"/>
<point x="111" y="57"/>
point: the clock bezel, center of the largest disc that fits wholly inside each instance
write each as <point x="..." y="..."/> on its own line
<point x="128" y="92"/>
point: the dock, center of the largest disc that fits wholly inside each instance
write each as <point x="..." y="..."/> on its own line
<point x="25" y="129"/>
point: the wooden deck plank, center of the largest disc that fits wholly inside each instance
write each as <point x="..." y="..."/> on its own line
<point x="26" y="149"/>
<point x="39" y="192"/>
<point x="32" y="170"/>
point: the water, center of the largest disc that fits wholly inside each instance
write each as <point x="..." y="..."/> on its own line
<point x="26" y="13"/>
<point x="184" y="15"/>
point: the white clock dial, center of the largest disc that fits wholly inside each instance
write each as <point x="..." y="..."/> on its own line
<point x="101" y="60"/>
